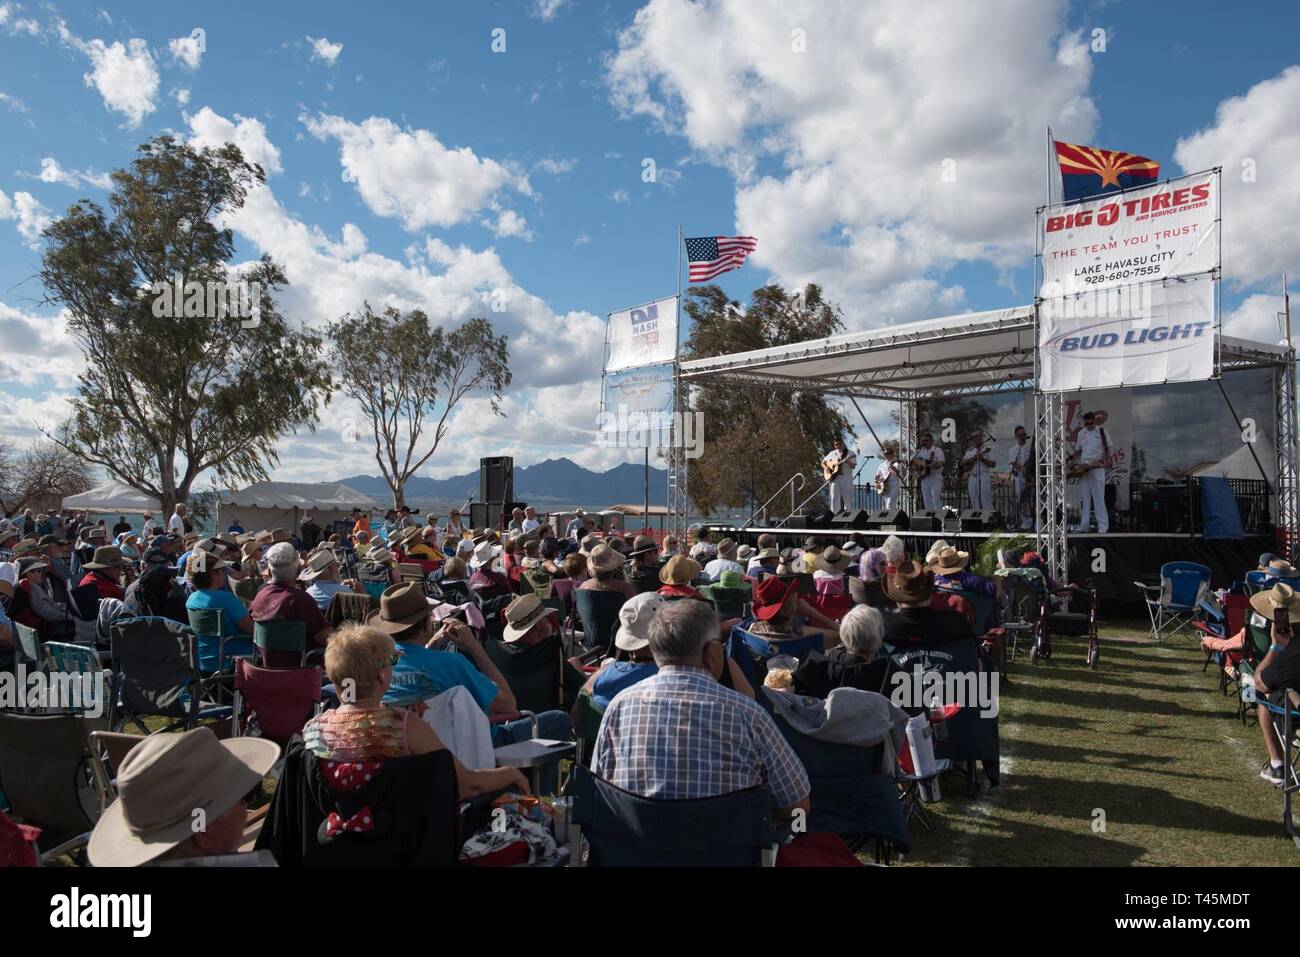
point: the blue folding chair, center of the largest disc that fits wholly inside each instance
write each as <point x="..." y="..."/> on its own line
<point x="1261" y="581"/>
<point x="626" y="830"/>
<point x="1173" y="603"/>
<point x="1284" y="723"/>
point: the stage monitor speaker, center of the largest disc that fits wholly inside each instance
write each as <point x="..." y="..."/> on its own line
<point x="980" y="520"/>
<point x="889" y="520"/>
<point x="496" y="479"/>
<point x="809" y="520"/>
<point x="928" y="521"/>
<point x="851" y="518"/>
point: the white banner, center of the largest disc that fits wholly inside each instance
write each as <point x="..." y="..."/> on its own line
<point x="641" y="336"/>
<point x="1139" y="235"/>
<point x="636" y="408"/>
<point x="1138" y="335"/>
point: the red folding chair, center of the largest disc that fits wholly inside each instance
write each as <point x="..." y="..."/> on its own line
<point x="279" y="700"/>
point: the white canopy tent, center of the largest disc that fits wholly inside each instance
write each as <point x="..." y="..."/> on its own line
<point x="268" y="505"/>
<point x="113" y="496"/>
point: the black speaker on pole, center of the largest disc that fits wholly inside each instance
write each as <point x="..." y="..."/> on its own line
<point x="927" y="521"/>
<point x="850" y="518"/>
<point x="888" y="520"/>
<point x="496" y="479"/>
<point x="478" y="514"/>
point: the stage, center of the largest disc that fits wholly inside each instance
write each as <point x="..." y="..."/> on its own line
<point x="1127" y="556"/>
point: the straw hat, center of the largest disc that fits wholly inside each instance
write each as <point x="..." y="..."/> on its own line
<point x="317" y="564"/>
<point x="485" y="552"/>
<point x="679" y="570"/>
<point x="1279" y="596"/>
<point x="400" y="607"/>
<point x="744" y="553"/>
<point x="765" y="553"/>
<point x="163" y="781"/>
<point x="521" y="615"/>
<point x="201" y="561"/>
<point x="379" y="554"/>
<point x="909" y="583"/>
<point x="603" y="559"/>
<point x="634" y="620"/>
<point x="949" y="561"/>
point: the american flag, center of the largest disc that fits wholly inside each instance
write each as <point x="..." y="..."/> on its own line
<point x="711" y="256"/>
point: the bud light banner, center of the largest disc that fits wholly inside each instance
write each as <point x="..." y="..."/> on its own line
<point x="1139" y="335"/>
<point x="1139" y="235"/>
<point x="641" y="336"/>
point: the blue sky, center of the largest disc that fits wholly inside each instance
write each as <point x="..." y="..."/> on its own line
<point x="409" y="163"/>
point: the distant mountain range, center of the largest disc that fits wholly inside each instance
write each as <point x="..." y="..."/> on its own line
<point x="550" y="485"/>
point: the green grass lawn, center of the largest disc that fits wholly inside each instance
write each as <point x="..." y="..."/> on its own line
<point x="1147" y="740"/>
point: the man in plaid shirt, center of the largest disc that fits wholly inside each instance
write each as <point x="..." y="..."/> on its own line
<point x="681" y="735"/>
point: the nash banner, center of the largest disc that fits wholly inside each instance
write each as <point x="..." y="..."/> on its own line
<point x="1139" y="235"/>
<point x="641" y="336"/>
<point x="1140" y="335"/>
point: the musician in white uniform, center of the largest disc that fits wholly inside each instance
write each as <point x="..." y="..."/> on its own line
<point x="1020" y="458"/>
<point x="978" y="463"/>
<point x="928" y="463"/>
<point x="887" y="479"/>
<point x="1092" y="451"/>
<point x="843" y="462"/>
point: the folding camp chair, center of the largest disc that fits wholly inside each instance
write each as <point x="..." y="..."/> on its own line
<point x="410" y="571"/>
<point x="598" y="611"/>
<point x="52" y="776"/>
<point x="534" y="674"/>
<point x="1172" y="603"/>
<point x="852" y="793"/>
<point x="29" y="651"/>
<point x="281" y="635"/>
<point x="208" y="625"/>
<point x="868" y="593"/>
<point x="1223" y="621"/>
<point x="728" y="602"/>
<point x="80" y="672"/>
<point x="279" y="700"/>
<point x="538" y="581"/>
<point x="113" y="747"/>
<point x="1259" y="638"/>
<point x="625" y="830"/>
<point x="1285" y="721"/>
<point x="349" y="606"/>
<point x="586" y="726"/>
<point x="156" y="669"/>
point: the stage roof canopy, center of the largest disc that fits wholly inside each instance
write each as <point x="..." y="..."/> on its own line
<point x="956" y="355"/>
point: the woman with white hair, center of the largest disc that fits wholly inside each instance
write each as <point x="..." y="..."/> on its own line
<point x="894" y="549"/>
<point x="855" y="662"/>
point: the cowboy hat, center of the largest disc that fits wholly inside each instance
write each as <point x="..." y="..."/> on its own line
<point x="603" y="559"/>
<point x="317" y="564"/>
<point x="727" y="548"/>
<point x="203" y="562"/>
<point x="679" y="570"/>
<point x="400" y="607"/>
<point x="485" y="552"/>
<point x="280" y="534"/>
<point x="410" y="533"/>
<point x="1279" y="596"/>
<point x="379" y="554"/>
<point x="765" y="553"/>
<point x="634" y="620"/>
<point x="163" y="781"/>
<point x="771" y="594"/>
<point x="949" y="560"/>
<point x="909" y="583"/>
<point x="833" y="560"/>
<point x="521" y="615"/>
<point x="249" y="549"/>
<point x="643" y="545"/>
<point x="106" y="556"/>
<point x="935" y="549"/>
<point x="26" y="565"/>
<point x="1280" y="568"/>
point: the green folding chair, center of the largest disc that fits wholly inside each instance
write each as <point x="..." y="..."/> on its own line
<point x="29" y="651"/>
<point x="208" y="623"/>
<point x="587" y="726"/>
<point x="280" y="634"/>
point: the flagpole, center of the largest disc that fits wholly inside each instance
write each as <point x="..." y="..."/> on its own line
<point x="679" y="422"/>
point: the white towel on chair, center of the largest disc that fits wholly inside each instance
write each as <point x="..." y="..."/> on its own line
<point x="462" y="726"/>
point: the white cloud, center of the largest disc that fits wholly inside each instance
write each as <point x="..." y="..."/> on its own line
<point x="620" y="196"/>
<point x="125" y="76"/>
<point x="37" y="349"/>
<point x="1255" y="139"/>
<point x="13" y="103"/>
<point x="52" y="172"/>
<point x="181" y="96"/>
<point x="546" y="10"/>
<point x="407" y="174"/>
<point x="1256" y="318"/>
<point x="322" y="49"/>
<point x="510" y="223"/>
<point x="209" y="128"/>
<point x="188" y="51"/>
<point x="556" y="166"/>
<point x="839" y="150"/>
<point x="28" y="213"/>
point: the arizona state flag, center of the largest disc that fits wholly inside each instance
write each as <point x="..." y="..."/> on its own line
<point x="1087" y="170"/>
